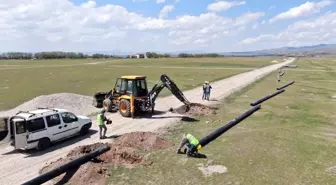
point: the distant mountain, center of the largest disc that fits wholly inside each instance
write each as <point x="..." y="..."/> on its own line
<point x="314" y="49"/>
<point x="321" y="49"/>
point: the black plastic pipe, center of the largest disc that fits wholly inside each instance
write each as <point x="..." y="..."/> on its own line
<point x="67" y="167"/>
<point x="266" y="97"/>
<point x="284" y="86"/>
<point x="221" y="130"/>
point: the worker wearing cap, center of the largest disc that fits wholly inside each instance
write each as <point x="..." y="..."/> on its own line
<point x="207" y="90"/>
<point x="191" y="142"/>
<point x="101" y="118"/>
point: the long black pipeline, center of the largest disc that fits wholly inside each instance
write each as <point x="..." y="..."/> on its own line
<point x="66" y="167"/>
<point x="212" y="136"/>
<point x="284" y="86"/>
<point x="266" y="97"/>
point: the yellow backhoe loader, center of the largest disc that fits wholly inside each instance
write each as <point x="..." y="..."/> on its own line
<point x="130" y="94"/>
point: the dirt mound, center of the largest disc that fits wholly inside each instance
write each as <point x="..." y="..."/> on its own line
<point x="83" y="150"/>
<point x="124" y="152"/>
<point x="143" y="141"/>
<point x="196" y="109"/>
<point x="76" y="103"/>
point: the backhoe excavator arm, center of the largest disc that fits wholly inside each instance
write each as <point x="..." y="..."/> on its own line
<point x="170" y="84"/>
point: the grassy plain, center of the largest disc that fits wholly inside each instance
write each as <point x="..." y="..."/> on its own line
<point x="22" y="80"/>
<point x="291" y="140"/>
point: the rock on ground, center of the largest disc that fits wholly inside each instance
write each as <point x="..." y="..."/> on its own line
<point x="209" y="170"/>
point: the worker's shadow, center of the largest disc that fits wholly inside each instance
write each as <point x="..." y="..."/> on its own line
<point x="195" y="155"/>
<point x="112" y="137"/>
<point x="199" y="155"/>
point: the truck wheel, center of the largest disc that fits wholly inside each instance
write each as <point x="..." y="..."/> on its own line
<point x="107" y="105"/>
<point x="125" y="108"/>
<point x="43" y="144"/>
<point x="84" y="130"/>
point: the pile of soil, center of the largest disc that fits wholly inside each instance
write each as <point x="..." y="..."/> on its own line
<point x="75" y="103"/>
<point x="143" y="141"/>
<point x="124" y="152"/>
<point x="196" y="109"/>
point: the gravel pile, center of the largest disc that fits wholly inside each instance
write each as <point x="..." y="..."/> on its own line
<point x="75" y="103"/>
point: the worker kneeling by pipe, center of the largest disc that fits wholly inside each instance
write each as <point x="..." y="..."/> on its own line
<point x="192" y="144"/>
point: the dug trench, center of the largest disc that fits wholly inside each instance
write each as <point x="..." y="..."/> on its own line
<point x="128" y="150"/>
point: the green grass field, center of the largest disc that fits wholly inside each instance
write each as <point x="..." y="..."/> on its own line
<point x="23" y="80"/>
<point x="291" y="140"/>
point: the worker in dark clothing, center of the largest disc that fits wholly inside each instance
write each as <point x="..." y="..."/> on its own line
<point x="191" y="142"/>
<point x="207" y="90"/>
<point x="101" y="119"/>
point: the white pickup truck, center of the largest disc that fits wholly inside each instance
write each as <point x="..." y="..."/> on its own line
<point x="42" y="127"/>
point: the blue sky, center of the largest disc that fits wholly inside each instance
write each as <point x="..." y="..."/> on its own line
<point x="165" y="25"/>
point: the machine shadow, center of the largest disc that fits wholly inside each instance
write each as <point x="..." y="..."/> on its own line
<point x="53" y="147"/>
<point x="150" y="116"/>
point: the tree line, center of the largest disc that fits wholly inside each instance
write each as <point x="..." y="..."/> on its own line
<point x="186" y="55"/>
<point x="182" y="55"/>
<point x="49" y="55"/>
<point x="74" y="55"/>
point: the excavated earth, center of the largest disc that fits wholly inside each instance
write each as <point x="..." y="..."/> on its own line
<point x="196" y="109"/>
<point x="125" y="151"/>
<point x="75" y="103"/>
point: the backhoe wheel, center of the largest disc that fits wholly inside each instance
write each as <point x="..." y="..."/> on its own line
<point x="107" y="105"/>
<point x="125" y="108"/>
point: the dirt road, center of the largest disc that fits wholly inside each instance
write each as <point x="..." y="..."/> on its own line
<point x="16" y="168"/>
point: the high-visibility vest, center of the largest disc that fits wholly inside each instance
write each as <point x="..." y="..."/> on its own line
<point x="100" y="119"/>
<point x="192" y="140"/>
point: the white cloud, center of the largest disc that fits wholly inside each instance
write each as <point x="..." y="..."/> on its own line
<point x="34" y="25"/>
<point x="166" y="10"/>
<point x="302" y="10"/>
<point x="220" y="6"/>
<point x="249" y="17"/>
<point x="160" y="1"/>
<point x="314" y="31"/>
<point x="89" y="4"/>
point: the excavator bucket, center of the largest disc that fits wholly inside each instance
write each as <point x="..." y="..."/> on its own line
<point x="170" y="84"/>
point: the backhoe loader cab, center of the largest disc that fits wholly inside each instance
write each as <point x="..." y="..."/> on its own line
<point x="130" y="94"/>
<point x="127" y="85"/>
